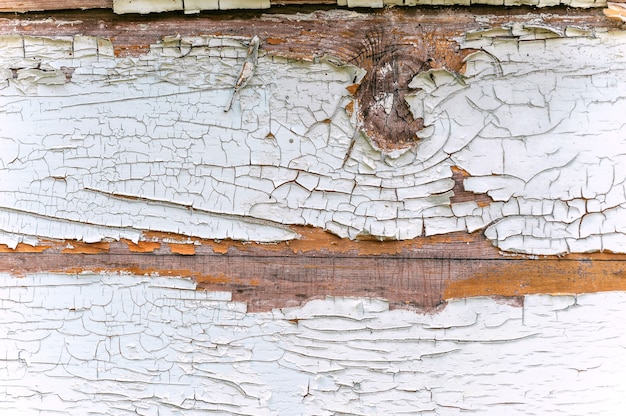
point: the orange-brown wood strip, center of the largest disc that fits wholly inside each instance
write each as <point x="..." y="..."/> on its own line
<point x="423" y="273"/>
<point x="143" y="246"/>
<point x="77" y="247"/>
<point x="553" y="276"/>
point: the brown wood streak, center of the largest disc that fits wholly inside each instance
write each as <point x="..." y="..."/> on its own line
<point x="461" y="195"/>
<point x="390" y="65"/>
<point x="422" y="273"/>
<point x="324" y="30"/>
<point x="419" y="273"/>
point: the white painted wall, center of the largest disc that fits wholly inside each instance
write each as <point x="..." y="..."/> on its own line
<point x="116" y="345"/>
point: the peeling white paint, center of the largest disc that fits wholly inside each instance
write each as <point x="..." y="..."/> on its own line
<point x="131" y="344"/>
<point x="134" y="144"/>
<point x="537" y="122"/>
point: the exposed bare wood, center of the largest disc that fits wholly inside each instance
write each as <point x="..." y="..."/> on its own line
<point x="197" y="6"/>
<point x="416" y="274"/>
<point x="616" y="10"/>
<point x="288" y="33"/>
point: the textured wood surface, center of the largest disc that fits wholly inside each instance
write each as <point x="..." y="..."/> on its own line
<point x="294" y="32"/>
<point x="211" y="6"/>
<point x="113" y="132"/>
<point x="422" y="272"/>
<point x="412" y="274"/>
<point x="146" y="345"/>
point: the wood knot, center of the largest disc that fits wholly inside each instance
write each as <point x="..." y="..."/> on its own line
<point x="390" y="65"/>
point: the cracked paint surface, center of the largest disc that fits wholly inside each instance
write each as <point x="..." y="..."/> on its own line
<point x="537" y="123"/>
<point x="120" y="344"/>
<point x="97" y="147"/>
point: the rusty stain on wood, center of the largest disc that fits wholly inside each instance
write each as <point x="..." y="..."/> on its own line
<point x="555" y="276"/>
<point x="25" y="248"/>
<point x="78" y="247"/>
<point x="143" y="246"/>
<point x="183" y="249"/>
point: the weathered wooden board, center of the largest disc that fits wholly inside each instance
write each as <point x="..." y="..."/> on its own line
<point x="197" y="6"/>
<point x="479" y="127"/>
<point x="146" y="345"/>
<point x="317" y="248"/>
<point x="39" y="5"/>
<point x="321" y="142"/>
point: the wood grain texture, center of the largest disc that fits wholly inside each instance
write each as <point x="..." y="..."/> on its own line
<point x="423" y="274"/>
<point x="119" y="319"/>
<point x="300" y="32"/>
<point x="197" y="6"/>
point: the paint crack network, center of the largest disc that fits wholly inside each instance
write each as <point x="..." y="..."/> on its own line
<point x="535" y="121"/>
<point x="122" y="344"/>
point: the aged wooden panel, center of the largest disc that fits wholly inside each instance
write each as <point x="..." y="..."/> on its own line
<point x="197" y="6"/>
<point x="154" y="143"/>
<point x="38" y="5"/>
<point x="146" y="345"/>
<point x="302" y="32"/>
<point x="318" y="246"/>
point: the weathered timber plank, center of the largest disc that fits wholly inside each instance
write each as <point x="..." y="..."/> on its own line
<point x="284" y="33"/>
<point x="157" y="321"/>
<point x="197" y="6"/>
<point x="388" y="144"/>
<point x="131" y="344"/>
<point x="300" y="32"/>
<point x="23" y="6"/>
<point x="420" y="272"/>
